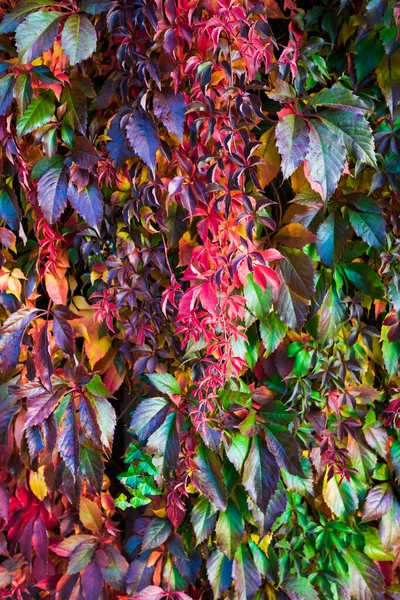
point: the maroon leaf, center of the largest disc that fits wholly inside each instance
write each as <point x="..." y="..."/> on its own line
<point x="92" y="581"/>
<point x="11" y="334"/>
<point x="83" y="153"/>
<point x="63" y="334"/>
<point x="41" y="357"/>
<point x="41" y="406"/>
<point x="40" y="540"/>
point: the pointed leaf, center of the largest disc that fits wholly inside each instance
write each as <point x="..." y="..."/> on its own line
<point x="170" y="109"/>
<point x="36" y="34"/>
<point x="78" y="38"/>
<point x="148" y="417"/>
<point x="202" y="518"/>
<point x="157" y="532"/>
<point x="339" y="97"/>
<point x="283" y="445"/>
<point x="291" y="136"/>
<point x="143" y="137"/>
<point x="366" y="579"/>
<point x="88" y="203"/>
<point x="333" y="234"/>
<point x="68" y="439"/>
<point x="219" y="571"/>
<point x="355" y="132"/>
<point x="260" y="473"/>
<point x="208" y="478"/>
<point x="341" y="499"/>
<point x="52" y="193"/>
<point x="230" y="529"/>
<point x="6" y="92"/>
<point x="39" y="112"/>
<point x="245" y="574"/>
<point x="370" y="227"/>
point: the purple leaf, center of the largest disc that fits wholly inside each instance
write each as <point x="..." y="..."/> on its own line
<point x="68" y="440"/>
<point x="6" y="92"/>
<point x="41" y="357"/>
<point x="11" y="334"/>
<point x="52" y="193"/>
<point x="88" y="203"/>
<point x="143" y="137"/>
<point x="170" y="109"/>
<point x="92" y="581"/>
<point x="292" y="141"/>
<point x="83" y="153"/>
<point x="40" y="407"/>
<point x="63" y="334"/>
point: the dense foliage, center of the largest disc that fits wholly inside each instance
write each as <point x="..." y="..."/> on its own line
<point x="200" y="213"/>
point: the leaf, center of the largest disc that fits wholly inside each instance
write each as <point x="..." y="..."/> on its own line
<point x="170" y="109"/>
<point x="283" y="445"/>
<point x="365" y="279"/>
<point x="373" y="546"/>
<point x="238" y="450"/>
<point x="388" y="78"/>
<point x="143" y="137"/>
<point x="63" y="334"/>
<point x="370" y="227"/>
<point x="258" y="302"/>
<point x="116" y="571"/>
<point x="90" y="515"/>
<point x="79" y="38"/>
<point x="84" y="153"/>
<point x="366" y="579"/>
<point x="341" y="499"/>
<point x="40" y="407"/>
<point x="291" y="136"/>
<point x="88" y="203"/>
<point x="295" y="235"/>
<point x="326" y="157"/>
<point x="76" y="100"/>
<point x="272" y="332"/>
<point x="208" y="478"/>
<point x="36" y="34"/>
<point x="92" y="581"/>
<point x="166" y="441"/>
<point x="6" y="92"/>
<point x="332" y="315"/>
<point x="260" y="473"/>
<point x="96" y="7"/>
<point x="107" y="420"/>
<point x="245" y="574"/>
<point x="92" y="466"/>
<point x="202" y="518"/>
<point x="166" y="383"/>
<point x="219" y="572"/>
<point x="151" y="592"/>
<point x="52" y="193"/>
<point x="379" y="501"/>
<point x="333" y="234"/>
<point x="338" y="97"/>
<point x="41" y="357"/>
<point x="157" y="532"/>
<point x="389" y="527"/>
<point x="11" y="334"/>
<point x="9" y="209"/>
<point x="395" y="457"/>
<point x="39" y="112"/>
<point x="299" y="588"/>
<point x="12" y="19"/>
<point x="355" y="132"/>
<point x="230" y="529"/>
<point x="68" y="438"/>
<point x="298" y="272"/>
<point x="148" y="417"/>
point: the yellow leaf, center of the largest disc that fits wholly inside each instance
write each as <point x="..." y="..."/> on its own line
<point x="38" y="484"/>
<point x="56" y="287"/>
<point x="90" y="515"/>
<point x="269" y="169"/>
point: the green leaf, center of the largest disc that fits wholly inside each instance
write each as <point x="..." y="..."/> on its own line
<point x="39" y="112"/>
<point x="202" y="518"/>
<point x="275" y="413"/>
<point x="166" y="383"/>
<point x="395" y="456"/>
<point x="332" y="315"/>
<point x="238" y="449"/>
<point x="388" y="78"/>
<point x="326" y="157"/>
<point x="208" y="478"/>
<point x="12" y="19"/>
<point x="116" y="571"/>
<point x="230" y="529"/>
<point x="6" y="92"/>
<point x="365" y="279"/>
<point x="97" y="387"/>
<point x="148" y="416"/>
<point x="157" y="532"/>
<point x="257" y="301"/>
<point x="245" y="574"/>
<point x="219" y="572"/>
<point x="292" y="142"/>
<point x="36" y="34"/>
<point x="370" y="227"/>
<point x="92" y="466"/>
<point x="78" y="38"/>
<point x="333" y="234"/>
<point x="299" y="588"/>
<point x="338" y="97"/>
<point x="373" y="546"/>
<point x="165" y="440"/>
<point x="272" y="332"/>
<point x="370" y="52"/>
<point x="341" y="499"/>
<point x="283" y="445"/>
<point x="366" y="579"/>
<point x="355" y="132"/>
<point x="260" y="473"/>
<point x="391" y="353"/>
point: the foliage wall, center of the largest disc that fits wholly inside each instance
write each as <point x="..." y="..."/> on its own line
<point x="200" y="213"/>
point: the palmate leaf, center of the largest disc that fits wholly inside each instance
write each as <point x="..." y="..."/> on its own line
<point x="326" y="157"/>
<point x="339" y="97"/>
<point x="332" y="315"/>
<point x="36" y="34"/>
<point x="78" y="38"/>
<point x="39" y="112"/>
<point x="292" y="141"/>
